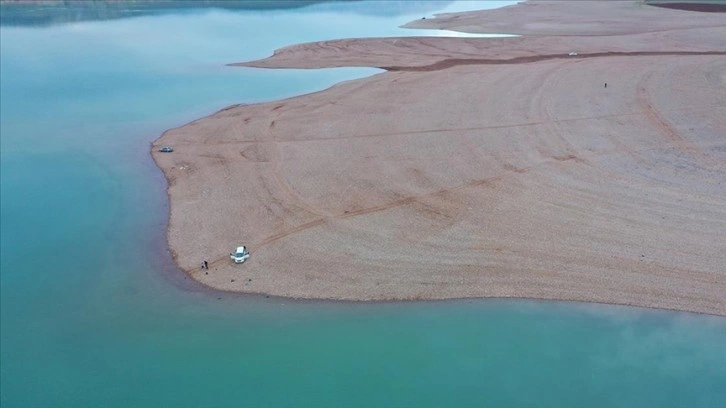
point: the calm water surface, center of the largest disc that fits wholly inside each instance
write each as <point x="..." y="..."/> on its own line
<point x="93" y="313"/>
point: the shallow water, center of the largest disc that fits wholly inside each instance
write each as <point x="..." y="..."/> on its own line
<point x="93" y="314"/>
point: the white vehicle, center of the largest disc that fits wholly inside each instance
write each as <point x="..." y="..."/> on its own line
<point x="572" y="54"/>
<point x="240" y="255"/>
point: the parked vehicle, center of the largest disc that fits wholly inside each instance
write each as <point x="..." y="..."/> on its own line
<point x="166" y="149"/>
<point x="240" y="255"/>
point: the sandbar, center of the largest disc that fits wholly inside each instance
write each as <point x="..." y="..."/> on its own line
<point x="584" y="160"/>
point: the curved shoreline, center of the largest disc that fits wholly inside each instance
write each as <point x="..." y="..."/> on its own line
<point x="324" y="222"/>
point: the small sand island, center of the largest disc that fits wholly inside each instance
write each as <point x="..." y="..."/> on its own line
<point x="584" y="160"/>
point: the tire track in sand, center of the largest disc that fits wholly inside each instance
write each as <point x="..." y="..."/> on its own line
<point x="671" y="133"/>
<point x="453" y="62"/>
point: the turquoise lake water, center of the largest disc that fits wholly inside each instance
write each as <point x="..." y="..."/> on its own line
<point x="93" y="313"/>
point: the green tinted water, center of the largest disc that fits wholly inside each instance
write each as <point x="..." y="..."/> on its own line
<point x="94" y="314"/>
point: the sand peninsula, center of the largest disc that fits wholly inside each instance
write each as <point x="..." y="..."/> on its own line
<point x="475" y="167"/>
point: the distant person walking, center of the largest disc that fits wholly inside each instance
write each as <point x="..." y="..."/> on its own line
<point x="606" y="84"/>
<point x="206" y="265"/>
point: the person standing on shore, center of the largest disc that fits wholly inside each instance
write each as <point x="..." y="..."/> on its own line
<point x="206" y="265"/>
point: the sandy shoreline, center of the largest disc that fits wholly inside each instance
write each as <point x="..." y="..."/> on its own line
<point x="475" y="167"/>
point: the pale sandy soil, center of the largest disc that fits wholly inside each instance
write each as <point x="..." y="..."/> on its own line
<point x="475" y="167"/>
